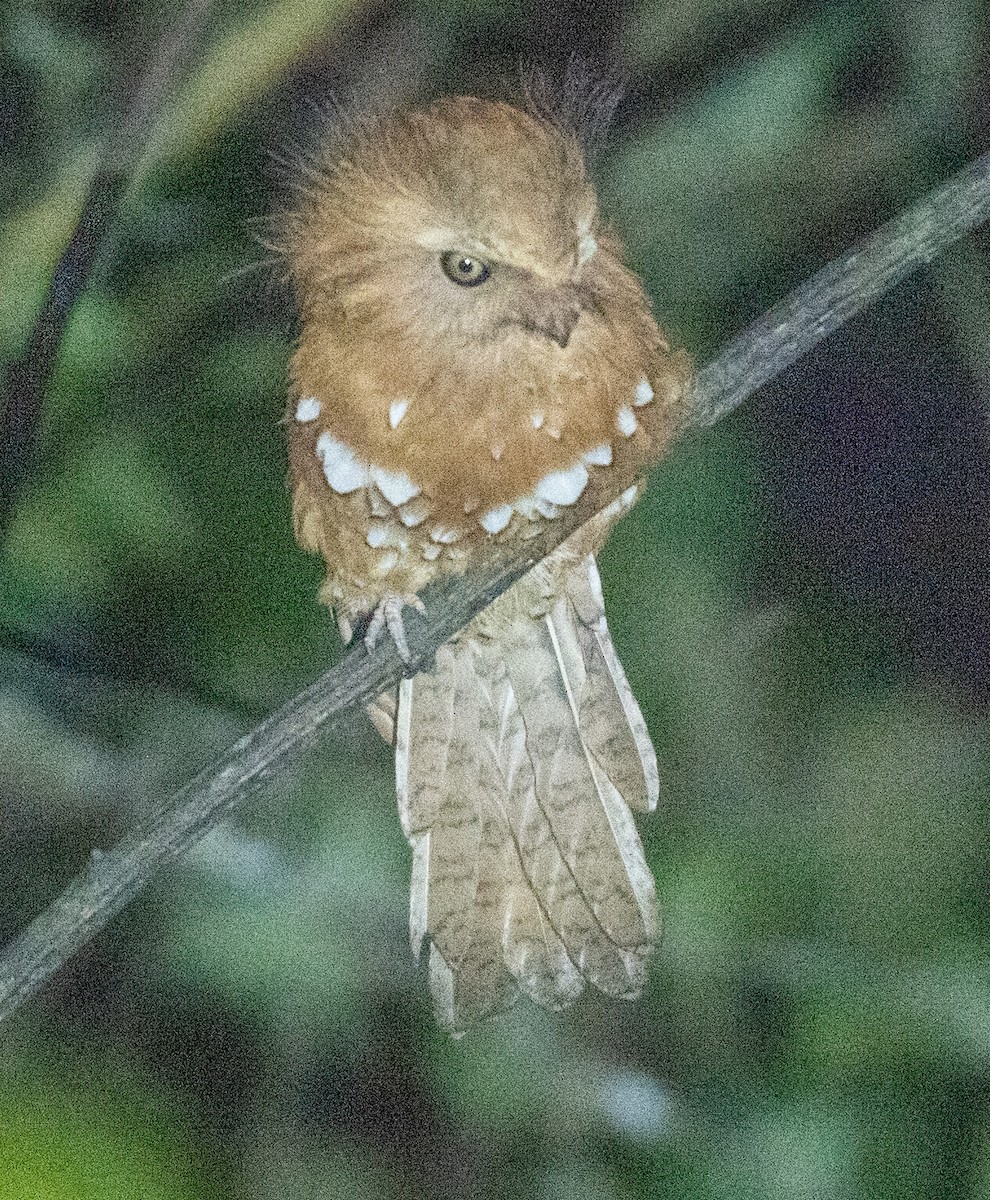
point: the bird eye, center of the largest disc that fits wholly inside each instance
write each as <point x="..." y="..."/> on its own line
<point x="464" y="269"/>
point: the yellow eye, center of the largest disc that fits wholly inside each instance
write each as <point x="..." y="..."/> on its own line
<point x="464" y="269"/>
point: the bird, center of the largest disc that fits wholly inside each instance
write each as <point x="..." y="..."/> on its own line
<point x="474" y="359"/>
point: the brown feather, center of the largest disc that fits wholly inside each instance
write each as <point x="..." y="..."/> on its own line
<point x="555" y="892"/>
<point x="429" y="424"/>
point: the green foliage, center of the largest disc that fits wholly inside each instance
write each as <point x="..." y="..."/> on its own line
<point x="104" y="1140"/>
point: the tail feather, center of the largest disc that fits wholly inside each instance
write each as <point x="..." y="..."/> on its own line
<point x="480" y="984"/>
<point x="517" y="759"/>
<point x="558" y="813"/>
<point x="437" y="767"/>
<point x="532" y="946"/>
<point x="511" y="943"/>
<point x="612" y="726"/>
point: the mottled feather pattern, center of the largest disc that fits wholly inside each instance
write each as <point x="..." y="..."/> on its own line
<point x="619" y="744"/>
<point x="572" y="862"/>
<point x="437" y="785"/>
<point x="557" y="893"/>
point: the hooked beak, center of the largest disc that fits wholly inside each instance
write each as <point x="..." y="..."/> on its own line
<point x="561" y="325"/>
<point x="554" y="320"/>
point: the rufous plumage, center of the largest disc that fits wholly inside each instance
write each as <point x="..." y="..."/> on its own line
<point x="474" y="359"/>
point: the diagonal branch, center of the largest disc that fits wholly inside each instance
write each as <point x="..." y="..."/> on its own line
<point x="28" y="376"/>
<point x="793" y="327"/>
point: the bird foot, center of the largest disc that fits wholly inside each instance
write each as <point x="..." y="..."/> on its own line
<point x="388" y="617"/>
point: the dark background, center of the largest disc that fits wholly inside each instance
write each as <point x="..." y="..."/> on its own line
<point x="801" y="601"/>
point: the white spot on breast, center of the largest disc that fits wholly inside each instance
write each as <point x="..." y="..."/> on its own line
<point x="497" y="450"/>
<point x="471" y="504"/>
<point x="644" y="393"/>
<point x="387" y="533"/>
<point x="526" y="506"/>
<point x="496" y="519"/>
<point x="308" y="409"/>
<point x="538" y="418"/>
<point x="414" y="513"/>
<point x="444" y="534"/>
<point x="625" y="422"/>
<point x="431" y="552"/>
<point x="344" y="472"/>
<point x="598" y="456"/>
<point x="395" y="486"/>
<point x="396" y="411"/>
<point x="563" y="487"/>
<point x="552" y="431"/>
<point x="387" y="561"/>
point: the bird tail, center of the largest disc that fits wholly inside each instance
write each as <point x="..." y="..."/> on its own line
<point x="518" y="759"/>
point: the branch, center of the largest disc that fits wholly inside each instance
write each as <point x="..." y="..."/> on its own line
<point x="800" y="322"/>
<point x="840" y="290"/>
<point x="28" y="377"/>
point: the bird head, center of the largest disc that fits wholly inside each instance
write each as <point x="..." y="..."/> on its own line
<point x="469" y="226"/>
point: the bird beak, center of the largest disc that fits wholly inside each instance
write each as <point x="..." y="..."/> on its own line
<point x="560" y="325"/>
<point x="551" y="314"/>
<point x="554" y="318"/>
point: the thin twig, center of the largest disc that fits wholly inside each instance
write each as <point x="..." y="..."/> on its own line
<point x="28" y="377"/>
<point x="840" y="290"/>
<point x="825" y="302"/>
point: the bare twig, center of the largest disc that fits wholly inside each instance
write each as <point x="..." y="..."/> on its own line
<point x="800" y="322"/>
<point x="842" y="289"/>
<point x="28" y="376"/>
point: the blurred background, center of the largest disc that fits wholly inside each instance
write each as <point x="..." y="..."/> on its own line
<point x="801" y="602"/>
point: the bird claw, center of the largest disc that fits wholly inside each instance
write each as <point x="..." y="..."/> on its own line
<point x="388" y="617"/>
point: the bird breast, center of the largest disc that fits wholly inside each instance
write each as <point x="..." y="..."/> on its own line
<point x="420" y="489"/>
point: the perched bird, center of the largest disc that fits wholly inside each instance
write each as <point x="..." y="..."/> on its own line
<point x="473" y="360"/>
